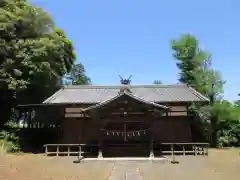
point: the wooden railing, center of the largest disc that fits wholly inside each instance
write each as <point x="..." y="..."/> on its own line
<point x="165" y="148"/>
<point x="60" y="149"/>
<point x="185" y="148"/>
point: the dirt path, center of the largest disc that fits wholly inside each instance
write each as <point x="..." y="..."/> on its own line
<point x="219" y="165"/>
<point x="126" y="171"/>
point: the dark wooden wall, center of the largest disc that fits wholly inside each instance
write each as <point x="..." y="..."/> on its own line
<point x="87" y="130"/>
<point x="80" y="130"/>
<point x="73" y="131"/>
<point x="172" y="129"/>
<point x="166" y="129"/>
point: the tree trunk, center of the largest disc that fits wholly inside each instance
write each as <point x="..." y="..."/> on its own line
<point x="214" y="120"/>
<point x="213" y="131"/>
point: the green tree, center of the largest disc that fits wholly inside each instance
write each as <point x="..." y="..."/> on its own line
<point x="34" y="54"/>
<point x="195" y="70"/>
<point x="78" y="75"/>
<point x="157" y="82"/>
<point x="228" y="124"/>
<point x="190" y="57"/>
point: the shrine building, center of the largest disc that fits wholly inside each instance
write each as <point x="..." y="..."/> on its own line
<point x="119" y="120"/>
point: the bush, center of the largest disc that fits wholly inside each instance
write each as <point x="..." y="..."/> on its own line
<point x="229" y="135"/>
<point x="9" y="142"/>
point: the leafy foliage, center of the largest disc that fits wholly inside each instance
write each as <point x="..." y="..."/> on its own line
<point x="9" y="141"/>
<point x="190" y="57"/>
<point x="195" y="66"/>
<point x="220" y="118"/>
<point x="78" y="76"/>
<point x="34" y="55"/>
<point x="229" y="124"/>
<point x="31" y="44"/>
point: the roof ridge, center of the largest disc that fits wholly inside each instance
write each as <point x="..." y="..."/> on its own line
<point x="120" y="86"/>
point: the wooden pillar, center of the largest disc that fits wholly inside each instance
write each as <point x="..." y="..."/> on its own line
<point x="100" y="155"/>
<point x="173" y="153"/>
<point x="206" y="150"/>
<point x="68" y="150"/>
<point x="46" y="150"/>
<point x="29" y="123"/>
<point x="57" y="150"/>
<point x="80" y="151"/>
<point x="196" y="150"/>
<point x="151" y="139"/>
<point x="151" y="155"/>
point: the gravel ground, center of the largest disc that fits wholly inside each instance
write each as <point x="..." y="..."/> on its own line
<point x="219" y="165"/>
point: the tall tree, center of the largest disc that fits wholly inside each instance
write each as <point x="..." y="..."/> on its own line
<point x="190" y="57"/>
<point x="195" y="70"/>
<point x="211" y="84"/>
<point x="34" y="53"/>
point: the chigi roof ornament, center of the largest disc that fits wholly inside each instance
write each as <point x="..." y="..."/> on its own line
<point x="125" y="81"/>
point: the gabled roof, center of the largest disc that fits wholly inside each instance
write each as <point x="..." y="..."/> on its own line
<point x="92" y="94"/>
<point x="125" y="93"/>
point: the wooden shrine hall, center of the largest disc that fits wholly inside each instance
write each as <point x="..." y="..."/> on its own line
<point x="119" y="120"/>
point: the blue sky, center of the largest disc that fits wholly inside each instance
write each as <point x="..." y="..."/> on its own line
<point x="132" y="37"/>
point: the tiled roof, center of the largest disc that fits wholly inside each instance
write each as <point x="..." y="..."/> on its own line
<point x="152" y="93"/>
<point x="125" y="93"/>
